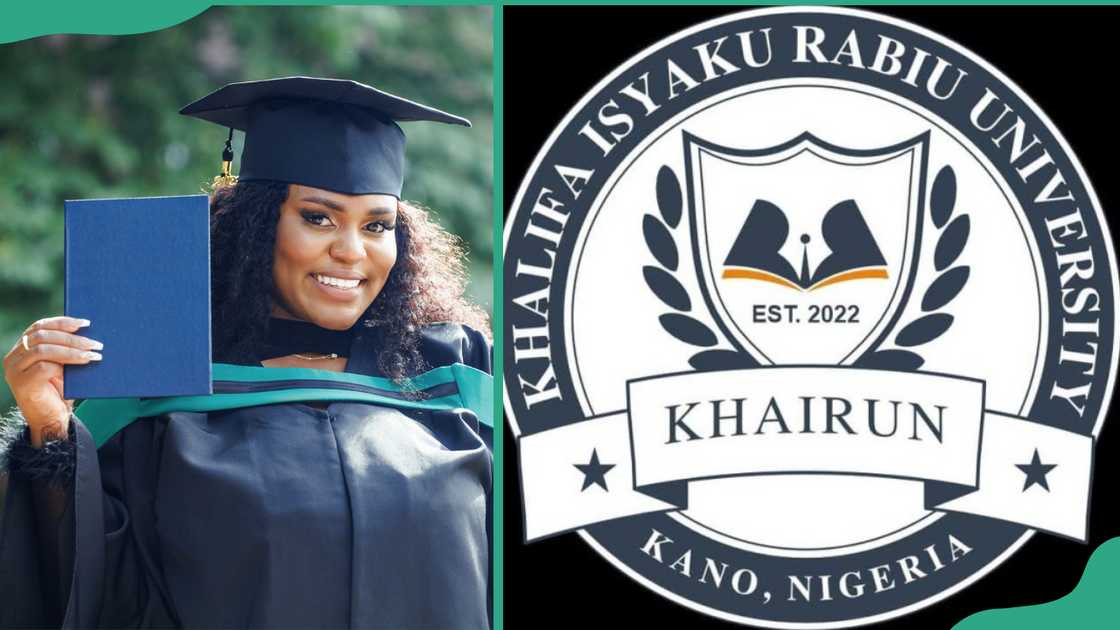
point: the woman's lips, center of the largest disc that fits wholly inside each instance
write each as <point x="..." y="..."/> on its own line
<point x="342" y="282"/>
<point x="337" y="288"/>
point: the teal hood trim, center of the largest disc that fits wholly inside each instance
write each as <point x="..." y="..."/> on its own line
<point x="446" y="388"/>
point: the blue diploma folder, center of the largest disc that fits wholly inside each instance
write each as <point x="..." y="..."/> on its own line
<point x="139" y="270"/>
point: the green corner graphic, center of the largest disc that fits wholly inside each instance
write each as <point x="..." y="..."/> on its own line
<point x="122" y="17"/>
<point x="1091" y="604"/>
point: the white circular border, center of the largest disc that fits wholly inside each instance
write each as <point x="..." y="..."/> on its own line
<point x="979" y="61"/>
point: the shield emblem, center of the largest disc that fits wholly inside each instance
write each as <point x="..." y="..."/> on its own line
<point x="806" y="251"/>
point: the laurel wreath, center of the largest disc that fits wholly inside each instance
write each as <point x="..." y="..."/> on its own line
<point x="661" y="280"/>
<point x="951" y="240"/>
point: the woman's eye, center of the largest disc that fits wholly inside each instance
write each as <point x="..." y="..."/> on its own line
<point x="380" y="226"/>
<point x="315" y="218"/>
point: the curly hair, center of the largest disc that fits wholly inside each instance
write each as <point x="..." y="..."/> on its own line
<point x="425" y="286"/>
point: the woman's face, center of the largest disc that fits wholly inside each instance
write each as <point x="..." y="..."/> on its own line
<point x="333" y="255"/>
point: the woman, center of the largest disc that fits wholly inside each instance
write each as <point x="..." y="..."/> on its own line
<point x="315" y="499"/>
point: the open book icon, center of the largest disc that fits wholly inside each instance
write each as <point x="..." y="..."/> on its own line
<point x="755" y="253"/>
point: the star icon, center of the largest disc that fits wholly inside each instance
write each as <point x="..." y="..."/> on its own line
<point x="594" y="472"/>
<point x="1036" y="472"/>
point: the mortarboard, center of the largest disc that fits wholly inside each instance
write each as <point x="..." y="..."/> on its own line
<point x="333" y="134"/>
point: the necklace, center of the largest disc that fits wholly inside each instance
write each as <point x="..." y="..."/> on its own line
<point x="315" y="357"/>
<point x="305" y="341"/>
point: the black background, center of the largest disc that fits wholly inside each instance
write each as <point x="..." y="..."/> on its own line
<point x="1060" y="56"/>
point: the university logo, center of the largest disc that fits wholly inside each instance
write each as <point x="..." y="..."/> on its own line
<point x="809" y="321"/>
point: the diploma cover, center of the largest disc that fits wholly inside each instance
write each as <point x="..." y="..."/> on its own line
<point x="139" y="270"/>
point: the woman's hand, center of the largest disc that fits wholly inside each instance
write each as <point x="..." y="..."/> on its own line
<point x="33" y="371"/>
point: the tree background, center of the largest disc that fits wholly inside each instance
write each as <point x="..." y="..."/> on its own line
<point x="86" y="117"/>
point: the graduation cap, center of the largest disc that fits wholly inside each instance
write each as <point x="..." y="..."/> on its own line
<point x="333" y="134"/>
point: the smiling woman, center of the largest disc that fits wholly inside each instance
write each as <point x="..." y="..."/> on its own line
<point x="277" y="247"/>
<point x="368" y="512"/>
<point x="333" y="254"/>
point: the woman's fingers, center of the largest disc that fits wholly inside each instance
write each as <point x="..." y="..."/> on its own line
<point x="53" y="353"/>
<point x="33" y="369"/>
<point x="61" y="338"/>
<point x="61" y="322"/>
<point x="49" y="331"/>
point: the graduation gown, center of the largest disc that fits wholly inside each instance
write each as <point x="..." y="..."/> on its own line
<point x="355" y="515"/>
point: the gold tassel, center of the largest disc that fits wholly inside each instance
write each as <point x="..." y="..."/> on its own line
<point x="227" y="178"/>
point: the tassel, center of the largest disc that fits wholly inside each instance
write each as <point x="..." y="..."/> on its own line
<point x="226" y="178"/>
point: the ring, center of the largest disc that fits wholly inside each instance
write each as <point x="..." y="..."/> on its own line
<point x="25" y="346"/>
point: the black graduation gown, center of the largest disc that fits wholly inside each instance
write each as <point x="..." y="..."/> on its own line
<point x="284" y="515"/>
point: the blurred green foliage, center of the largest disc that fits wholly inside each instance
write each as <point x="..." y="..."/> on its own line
<point x="92" y="117"/>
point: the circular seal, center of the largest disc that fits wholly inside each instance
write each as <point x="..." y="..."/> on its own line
<point x="809" y="320"/>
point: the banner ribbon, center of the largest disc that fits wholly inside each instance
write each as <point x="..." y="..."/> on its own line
<point x="684" y="428"/>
